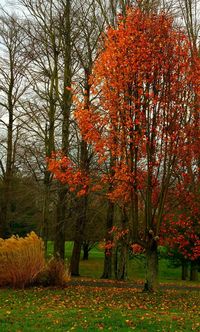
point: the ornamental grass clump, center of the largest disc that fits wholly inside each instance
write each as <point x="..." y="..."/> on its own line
<point x="21" y="260"/>
<point x="55" y="273"/>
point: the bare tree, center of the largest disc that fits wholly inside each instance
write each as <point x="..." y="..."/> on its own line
<point x="189" y="12"/>
<point x="50" y="105"/>
<point x="13" y="88"/>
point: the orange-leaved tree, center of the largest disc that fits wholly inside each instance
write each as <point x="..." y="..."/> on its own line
<point x="146" y="79"/>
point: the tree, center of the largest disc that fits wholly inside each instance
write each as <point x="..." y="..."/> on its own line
<point x="189" y="14"/>
<point x="181" y="228"/>
<point x="13" y="87"/>
<point x="50" y="32"/>
<point x="87" y="27"/>
<point x="85" y="49"/>
<point x="145" y="84"/>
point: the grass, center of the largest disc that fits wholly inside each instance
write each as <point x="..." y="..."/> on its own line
<point x="95" y="309"/>
<point x="93" y="268"/>
<point x="91" y="308"/>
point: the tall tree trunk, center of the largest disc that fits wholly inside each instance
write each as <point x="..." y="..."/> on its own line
<point x="59" y="236"/>
<point x="151" y="283"/>
<point x="65" y="103"/>
<point x="75" y="259"/>
<point x="121" y="265"/>
<point x="121" y="262"/>
<point x="5" y="229"/>
<point x="5" y="224"/>
<point x="85" y="252"/>
<point x="107" y="270"/>
<point x="82" y="217"/>
<point x="194" y="271"/>
<point x="49" y="147"/>
<point x="116" y="257"/>
<point x="83" y="201"/>
<point x="78" y="241"/>
<point x="45" y="218"/>
<point x="44" y="232"/>
<point x="184" y="270"/>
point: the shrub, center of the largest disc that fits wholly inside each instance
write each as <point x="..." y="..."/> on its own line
<point x="21" y="259"/>
<point x="55" y="273"/>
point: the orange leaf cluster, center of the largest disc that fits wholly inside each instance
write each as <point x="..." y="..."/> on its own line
<point x="146" y="79"/>
<point x="67" y="172"/>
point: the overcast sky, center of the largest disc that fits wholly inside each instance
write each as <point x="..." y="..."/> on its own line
<point x="8" y="4"/>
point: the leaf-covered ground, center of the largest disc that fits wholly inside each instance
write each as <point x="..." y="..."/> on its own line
<point x="87" y="308"/>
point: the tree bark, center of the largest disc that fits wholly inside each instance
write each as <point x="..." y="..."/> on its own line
<point x="194" y="271"/>
<point x="121" y="265"/>
<point x="59" y="239"/>
<point x="184" y="268"/>
<point x="78" y="241"/>
<point x="151" y="283"/>
<point x="85" y="252"/>
<point x="121" y="262"/>
<point x="107" y="270"/>
<point x="5" y="229"/>
<point x="65" y="103"/>
<point x="44" y="231"/>
<point x="75" y="259"/>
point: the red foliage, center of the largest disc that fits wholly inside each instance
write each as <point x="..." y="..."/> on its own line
<point x="183" y="234"/>
<point x="66" y="171"/>
<point x="144" y="78"/>
<point x="181" y="230"/>
<point x="145" y="118"/>
<point x="136" y="248"/>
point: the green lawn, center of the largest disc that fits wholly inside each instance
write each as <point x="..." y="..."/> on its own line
<point x="136" y="267"/>
<point x="94" y="309"/>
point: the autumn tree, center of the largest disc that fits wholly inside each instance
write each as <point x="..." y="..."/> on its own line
<point x="181" y="228"/>
<point x="145" y="81"/>
<point x="181" y="237"/>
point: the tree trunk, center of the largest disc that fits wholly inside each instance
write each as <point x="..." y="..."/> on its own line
<point x="85" y="252"/>
<point x="107" y="270"/>
<point x="7" y="181"/>
<point x="65" y="103"/>
<point x="121" y="262"/>
<point x="184" y="267"/>
<point x="121" y="266"/>
<point x="151" y="283"/>
<point x="44" y="231"/>
<point x="5" y="230"/>
<point x="194" y="271"/>
<point x="45" y="219"/>
<point x="80" y="226"/>
<point x="76" y="254"/>
<point x="59" y="239"/>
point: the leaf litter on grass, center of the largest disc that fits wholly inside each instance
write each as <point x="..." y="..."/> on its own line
<point x="83" y="308"/>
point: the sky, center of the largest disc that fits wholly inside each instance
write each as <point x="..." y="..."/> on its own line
<point x="11" y="6"/>
<point x="8" y="4"/>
